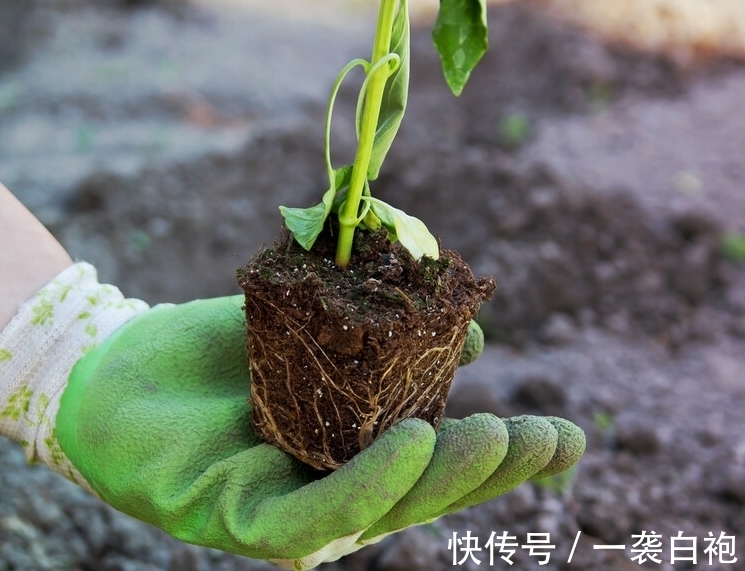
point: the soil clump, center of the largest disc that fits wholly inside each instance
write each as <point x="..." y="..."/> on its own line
<point x="338" y="355"/>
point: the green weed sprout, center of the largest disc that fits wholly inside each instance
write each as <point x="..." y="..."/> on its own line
<point x="733" y="246"/>
<point x="460" y="36"/>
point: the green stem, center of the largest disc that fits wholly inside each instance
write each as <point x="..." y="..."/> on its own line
<point x="349" y="215"/>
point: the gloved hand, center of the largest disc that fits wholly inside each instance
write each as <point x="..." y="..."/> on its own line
<point x="155" y="422"/>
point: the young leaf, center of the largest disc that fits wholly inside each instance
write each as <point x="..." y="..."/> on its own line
<point x="396" y="92"/>
<point x="461" y="38"/>
<point x="410" y="231"/>
<point x="307" y="223"/>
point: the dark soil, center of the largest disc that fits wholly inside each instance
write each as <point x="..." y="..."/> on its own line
<point x="338" y="356"/>
<point x="596" y="182"/>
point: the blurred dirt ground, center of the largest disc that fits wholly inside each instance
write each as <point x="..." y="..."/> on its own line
<point x="594" y="165"/>
<point x="682" y="28"/>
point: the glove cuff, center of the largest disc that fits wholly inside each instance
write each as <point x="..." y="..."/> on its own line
<point x="62" y="322"/>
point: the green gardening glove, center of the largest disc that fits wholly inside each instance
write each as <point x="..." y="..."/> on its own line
<point x="156" y="422"/>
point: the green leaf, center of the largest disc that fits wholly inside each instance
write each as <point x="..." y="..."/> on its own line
<point x="307" y="223"/>
<point x="396" y="92"/>
<point x="410" y="231"/>
<point x="461" y="37"/>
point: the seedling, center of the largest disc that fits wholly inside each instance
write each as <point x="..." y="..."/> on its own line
<point x="514" y="129"/>
<point x="358" y="319"/>
<point x="460" y="37"/>
<point x="733" y="246"/>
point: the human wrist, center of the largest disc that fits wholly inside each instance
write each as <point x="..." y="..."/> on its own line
<point x="38" y="348"/>
<point x="29" y="258"/>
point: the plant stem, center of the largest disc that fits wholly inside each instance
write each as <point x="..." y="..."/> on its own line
<point x="348" y="216"/>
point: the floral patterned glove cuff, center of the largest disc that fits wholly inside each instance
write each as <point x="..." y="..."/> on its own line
<point x="64" y="320"/>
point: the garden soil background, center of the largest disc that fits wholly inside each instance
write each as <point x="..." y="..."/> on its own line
<point x="595" y="179"/>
